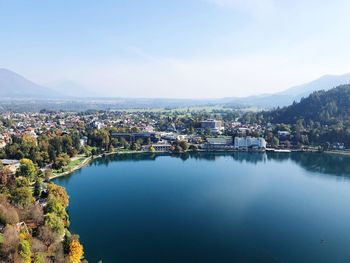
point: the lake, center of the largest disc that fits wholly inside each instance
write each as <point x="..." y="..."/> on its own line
<point x="239" y="207"/>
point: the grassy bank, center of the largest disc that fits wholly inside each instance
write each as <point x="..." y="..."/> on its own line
<point x="81" y="161"/>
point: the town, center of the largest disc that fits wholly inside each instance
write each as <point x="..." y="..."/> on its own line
<point x="38" y="147"/>
<point x="22" y="135"/>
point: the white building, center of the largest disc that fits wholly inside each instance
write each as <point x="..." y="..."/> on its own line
<point x="2" y="141"/>
<point x="97" y="125"/>
<point x="161" y="147"/>
<point x="283" y="133"/>
<point x="158" y="147"/>
<point x="250" y="142"/>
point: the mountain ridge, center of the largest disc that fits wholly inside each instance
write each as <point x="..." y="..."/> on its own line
<point x="15" y="86"/>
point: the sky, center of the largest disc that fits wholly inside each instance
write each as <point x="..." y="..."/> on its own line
<point x="175" y="48"/>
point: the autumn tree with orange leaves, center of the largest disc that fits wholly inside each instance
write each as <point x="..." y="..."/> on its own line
<point x="76" y="251"/>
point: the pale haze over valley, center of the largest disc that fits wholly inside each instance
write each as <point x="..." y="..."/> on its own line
<point x="178" y="49"/>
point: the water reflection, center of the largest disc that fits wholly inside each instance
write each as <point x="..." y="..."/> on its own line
<point x="313" y="162"/>
<point x="247" y="214"/>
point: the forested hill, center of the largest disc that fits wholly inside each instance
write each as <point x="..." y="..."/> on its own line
<point x="326" y="107"/>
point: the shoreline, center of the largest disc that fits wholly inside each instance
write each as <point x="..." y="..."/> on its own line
<point x="89" y="159"/>
<point x="343" y="153"/>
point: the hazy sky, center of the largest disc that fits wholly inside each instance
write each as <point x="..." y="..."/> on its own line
<point x="179" y="48"/>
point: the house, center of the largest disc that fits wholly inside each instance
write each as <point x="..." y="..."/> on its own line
<point x="338" y="146"/>
<point x="83" y="141"/>
<point x="2" y="141"/>
<point x="30" y="132"/>
<point x="13" y="165"/>
<point x="283" y="135"/>
<point x="97" y="125"/>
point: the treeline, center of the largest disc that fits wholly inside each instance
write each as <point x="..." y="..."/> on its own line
<point x="321" y="118"/>
<point x="34" y="218"/>
<point x="47" y="148"/>
<point x="330" y="107"/>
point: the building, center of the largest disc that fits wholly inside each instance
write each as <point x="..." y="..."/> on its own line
<point x="222" y="140"/>
<point x="133" y="137"/>
<point x="2" y="141"/>
<point x="83" y="141"/>
<point x="96" y="125"/>
<point x="245" y="143"/>
<point x="283" y="135"/>
<point x="338" y="146"/>
<point x="212" y="125"/>
<point x="219" y="143"/>
<point x="12" y="165"/>
<point x="161" y="147"/>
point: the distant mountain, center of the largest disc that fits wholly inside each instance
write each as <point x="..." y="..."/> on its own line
<point x="71" y="89"/>
<point x="326" y="107"/>
<point x="323" y="83"/>
<point x="13" y="85"/>
<point x="292" y="94"/>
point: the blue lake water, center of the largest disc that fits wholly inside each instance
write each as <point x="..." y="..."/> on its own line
<point x="241" y="207"/>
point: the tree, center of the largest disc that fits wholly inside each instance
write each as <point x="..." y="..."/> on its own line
<point x="24" y="250"/>
<point x="59" y="193"/>
<point x="75" y="251"/>
<point x="287" y="144"/>
<point x="27" y="168"/>
<point x="183" y="145"/>
<point x="38" y="187"/>
<point x="193" y="147"/>
<point x="135" y="146"/>
<point x="37" y="214"/>
<point x="39" y="258"/>
<point x="5" y="175"/>
<point x="62" y="160"/>
<point x="48" y="174"/>
<point x="56" y="207"/>
<point x="29" y="141"/>
<point x="22" y="182"/>
<point x="47" y="235"/>
<point x="152" y="149"/>
<point x="11" y="239"/>
<point x="8" y="215"/>
<point x="275" y="141"/>
<point x="54" y="223"/>
<point x="22" y="197"/>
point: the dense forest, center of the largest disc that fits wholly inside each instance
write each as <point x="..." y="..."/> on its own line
<point x="330" y="107"/>
<point x="322" y="118"/>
